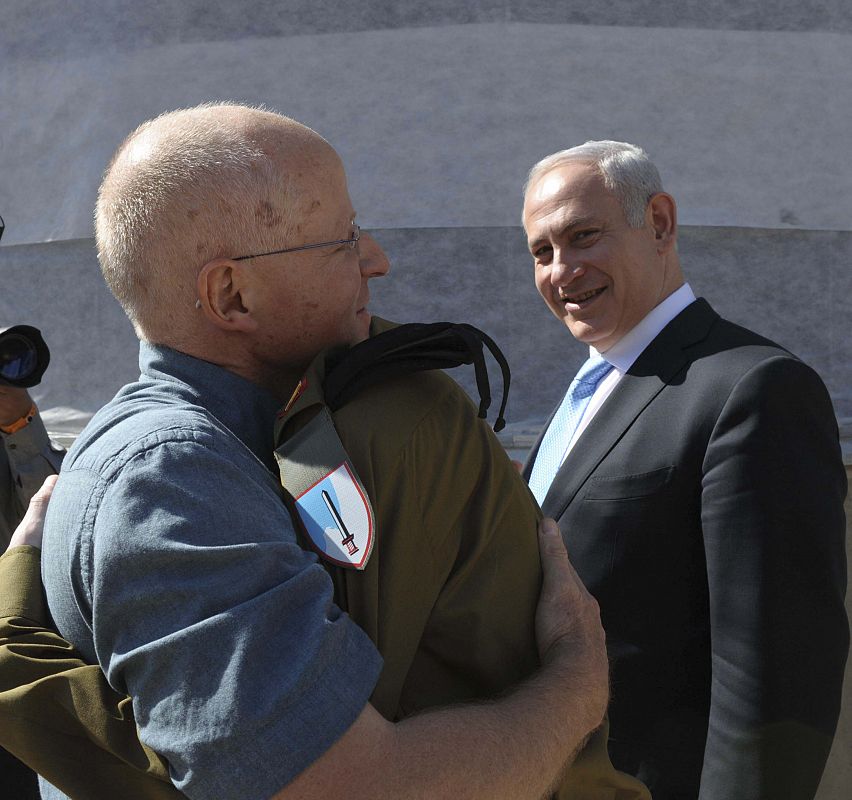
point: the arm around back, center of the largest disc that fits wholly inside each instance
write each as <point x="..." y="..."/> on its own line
<point x="512" y="748"/>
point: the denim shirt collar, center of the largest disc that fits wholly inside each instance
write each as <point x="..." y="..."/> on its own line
<point x="245" y="408"/>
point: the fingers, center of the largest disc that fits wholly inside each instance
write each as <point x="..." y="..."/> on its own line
<point x="568" y="628"/>
<point x="566" y="609"/>
<point x="558" y="571"/>
<point x="554" y="557"/>
<point x="31" y="529"/>
<point x="42" y="496"/>
<point x="548" y="529"/>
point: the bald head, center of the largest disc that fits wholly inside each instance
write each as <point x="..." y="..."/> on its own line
<point x="191" y="186"/>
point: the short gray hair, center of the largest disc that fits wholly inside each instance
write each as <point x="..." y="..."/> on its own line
<point x="182" y="189"/>
<point x="625" y="168"/>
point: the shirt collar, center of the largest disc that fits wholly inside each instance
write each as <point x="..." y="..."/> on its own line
<point x="627" y="349"/>
<point x="246" y="409"/>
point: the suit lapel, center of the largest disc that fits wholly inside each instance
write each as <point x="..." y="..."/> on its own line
<point x="660" y="363"/>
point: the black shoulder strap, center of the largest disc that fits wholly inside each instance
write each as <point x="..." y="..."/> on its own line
<point x="415" y="347"/>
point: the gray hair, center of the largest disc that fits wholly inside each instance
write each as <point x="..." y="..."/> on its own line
<point x="625" y="168"/>
<point x="182" y="189"/>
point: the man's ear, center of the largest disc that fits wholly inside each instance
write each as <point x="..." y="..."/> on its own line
<point x="222" y="286"/>
<point x="662" y="212"/>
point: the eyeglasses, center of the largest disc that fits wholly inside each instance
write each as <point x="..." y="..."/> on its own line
<point x="352" y="242"/>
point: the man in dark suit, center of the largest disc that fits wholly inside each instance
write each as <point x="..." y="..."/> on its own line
<point x="696" y="475"/>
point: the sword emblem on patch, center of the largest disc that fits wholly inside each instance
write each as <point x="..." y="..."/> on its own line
<point x="348" y="538"/>
<point x="330" y="499"/>
<point x="337" y="519"/>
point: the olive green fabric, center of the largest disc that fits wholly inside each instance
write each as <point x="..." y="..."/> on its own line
<point x="450" y="590"/>
<point x="448" y="596"/>
<point x="58" y="714"/>
<point x="456" y="539"/>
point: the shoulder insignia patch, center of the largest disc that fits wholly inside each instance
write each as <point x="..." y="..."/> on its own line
<point x="330" y="499"/>
<point x="338" y="519"/>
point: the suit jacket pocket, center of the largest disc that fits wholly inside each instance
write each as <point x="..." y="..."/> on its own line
<point x="621" y="525"/>
<point x="628" y="487"/>
<point x="631" y="550"/>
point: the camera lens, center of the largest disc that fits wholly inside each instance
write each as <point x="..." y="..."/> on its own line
<point x="24" y="356"/>
<point x="18" y="357"/>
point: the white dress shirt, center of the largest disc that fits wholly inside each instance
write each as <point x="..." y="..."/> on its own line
<point x="627" y="349"/>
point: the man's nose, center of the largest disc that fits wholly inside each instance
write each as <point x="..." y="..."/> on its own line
<point x="374" y="262"/>
<point x="565" y="267"/>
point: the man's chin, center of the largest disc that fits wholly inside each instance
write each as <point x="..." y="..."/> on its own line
<point x="586" y="333"/>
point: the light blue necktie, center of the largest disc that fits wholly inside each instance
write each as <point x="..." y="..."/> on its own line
<point x="564" y="423"/>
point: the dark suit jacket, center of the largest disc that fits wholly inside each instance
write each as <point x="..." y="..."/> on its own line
<point x="703" y="507"/>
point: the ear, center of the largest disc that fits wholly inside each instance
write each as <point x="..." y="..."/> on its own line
<point x="222" y="286"/>
<point x="662" y="214"/>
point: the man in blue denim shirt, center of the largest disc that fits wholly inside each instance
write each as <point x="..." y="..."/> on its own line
<point x="228" y="236"/>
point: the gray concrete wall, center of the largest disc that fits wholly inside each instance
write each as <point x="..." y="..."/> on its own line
<point x="755" y="277"/>
<point x="438" y="109"/>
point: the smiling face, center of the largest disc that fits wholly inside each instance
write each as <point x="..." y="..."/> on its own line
<point x="597" y="274"/>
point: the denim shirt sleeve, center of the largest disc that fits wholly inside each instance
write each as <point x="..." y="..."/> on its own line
<point x="206" y="611"/>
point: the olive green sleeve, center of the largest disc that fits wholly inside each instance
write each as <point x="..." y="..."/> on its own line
<point x="457" y="539"/>
<point x="482" y="625"/>
<point x="57" y="713"/>
<point x="480" y="637"/>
